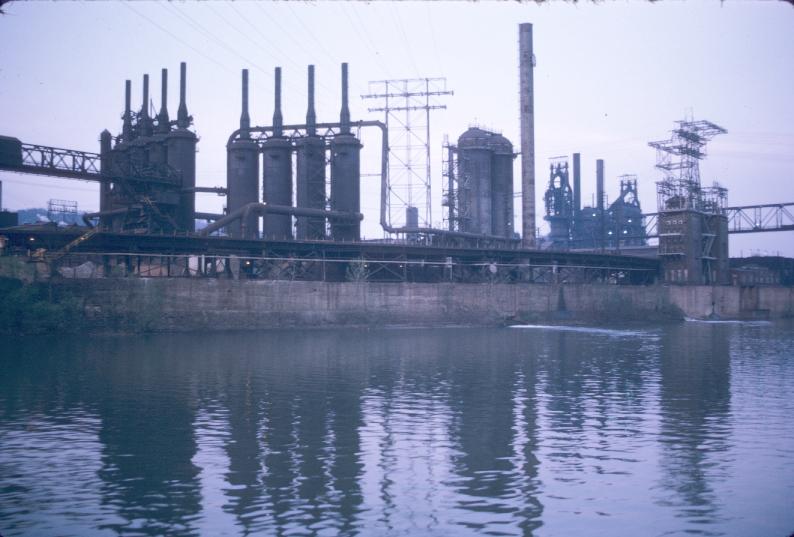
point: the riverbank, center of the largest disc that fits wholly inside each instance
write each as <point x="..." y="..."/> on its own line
<point x="194" y="304"/>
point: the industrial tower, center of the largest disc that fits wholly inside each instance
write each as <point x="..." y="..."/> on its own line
<point x="693" y="227"/>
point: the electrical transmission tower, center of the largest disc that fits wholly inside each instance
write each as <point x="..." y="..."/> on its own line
<point x="679" y="159"/>
<point x="407" y="104"/>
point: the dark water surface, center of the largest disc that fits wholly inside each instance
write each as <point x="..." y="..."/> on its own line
<point x="672" y="430"/>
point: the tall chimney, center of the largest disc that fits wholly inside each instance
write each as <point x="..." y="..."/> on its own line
<point x="126" y="130"/>
<point x="182" y="119"/>
<point x="600" y="184"/>
<point x="344" y="115"/>
<point x="527" y="64"/>
<point x="577" y="185"/>
<point x="146" y="126"/>
<point x="278" y="119"/>
<point x="600" y="200"/>
<point x="162" y="119"/>
<point x="311" y="115"/>
<point x="245" y="119"/>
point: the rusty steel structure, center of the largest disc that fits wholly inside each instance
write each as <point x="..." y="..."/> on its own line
<point x="693" y="226"/>
<point x="294" y="209"/>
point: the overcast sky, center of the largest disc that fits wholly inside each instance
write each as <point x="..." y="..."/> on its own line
<point x="610" y="77"/>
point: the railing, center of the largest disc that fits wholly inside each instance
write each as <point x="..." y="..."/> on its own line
<point x="125" y="264"/>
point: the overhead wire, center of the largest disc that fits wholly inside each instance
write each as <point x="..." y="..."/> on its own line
<point x="185" y="43"/>
<point x="433" y="38"/>
<point x="405" y="39"/>
<point x="319" y="96"/>
<point x="213" y="37"/>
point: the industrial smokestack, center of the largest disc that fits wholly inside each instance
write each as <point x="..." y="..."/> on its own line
<point x="144" y="119"/>
<point x="344" y="115"/>
<point x="311" y="116"/>
<point x="162" y="119"/>
<point x="527" y="64"/>
<point x="577" y="185"/>
<point x="126" y="130"/>
<point x="182" y="119"/>
<point x="245" y="119"/>
<point x="600" y="184"/>
<point x="278" y="119"/>
<point x="600" y="200"/>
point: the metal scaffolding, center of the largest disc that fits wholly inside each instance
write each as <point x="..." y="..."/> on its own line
<point x="406" y="104"/>
<point x="679" y="159"/>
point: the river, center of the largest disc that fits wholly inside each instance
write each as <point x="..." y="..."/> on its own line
<point x="621" y="431"/>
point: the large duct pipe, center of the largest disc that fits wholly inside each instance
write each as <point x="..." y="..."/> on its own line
<point x="126" y="131"/>
<point x="253" y="209"/>
<point x="344" y="114"/>
<point x="527" y="64"/>
<point x="87" y="217"/>
<point x="162" y="119"/>
<point x="182" y="118"/>
<point x="278" y="119"/>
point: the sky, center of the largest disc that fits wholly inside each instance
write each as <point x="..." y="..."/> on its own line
<point x="609" y="78"/>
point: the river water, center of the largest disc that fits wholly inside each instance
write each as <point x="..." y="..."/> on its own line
<point x="651" y="430"/>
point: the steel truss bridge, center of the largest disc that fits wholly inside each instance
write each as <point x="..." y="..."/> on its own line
<point x="744" y="219"/>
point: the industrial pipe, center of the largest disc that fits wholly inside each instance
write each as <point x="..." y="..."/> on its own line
<point x="278" y="119"/>
<point x="144" y="122"/>
<point x="311" y="115"/>
<point x="344" y="114"/>
<point x="220" y="190"/>
<point x="126" y="130"/>
<point x="162" y="119"/>
<point x="182" y="119"/>
<point x="262" y="208"/>
<point x="384" y="187"/>
<point x="87" y="217"/>
<point x="245" y="119"/>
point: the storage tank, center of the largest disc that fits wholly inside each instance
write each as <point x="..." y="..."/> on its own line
<point x="475" y="181"/>
<point x="242" y="172"/>
<point x="277" y="174"/>
<point x="502" y="187"/>
<point x="310" y="173"/>
<point x="345" y="173"/>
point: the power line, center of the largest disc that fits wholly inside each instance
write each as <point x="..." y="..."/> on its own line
<point x="188" y="45"/>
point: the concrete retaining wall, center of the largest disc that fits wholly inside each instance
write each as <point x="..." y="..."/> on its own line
<point x="200" y="304"/>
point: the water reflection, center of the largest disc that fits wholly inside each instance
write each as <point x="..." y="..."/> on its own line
<point x="695" y="410"/>
<point x="148" y="477"/>
<point x="396" y="432"/>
